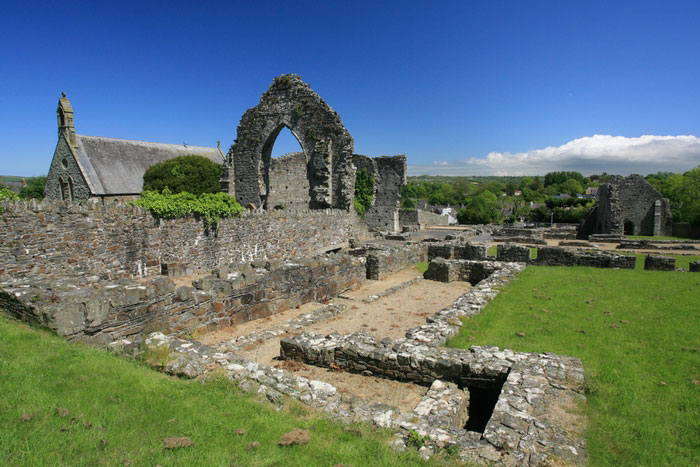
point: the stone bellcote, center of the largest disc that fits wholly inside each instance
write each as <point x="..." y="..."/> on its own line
<point x="64" y="113"/>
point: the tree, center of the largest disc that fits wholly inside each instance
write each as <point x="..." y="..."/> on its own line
<point x="571" y="186"/>
<point x="191" y="174"/>
<point x="34" y="189"/>
<point x="481" y="209"/>
<point x="364" y="190"/>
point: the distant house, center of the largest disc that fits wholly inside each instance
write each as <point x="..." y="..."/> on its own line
<point x="591" y="192"/>
<point x="562" y="196"/>
<point x="451" y="214"/>
<point x="517" y="193"/>
<point x="95" y="167"/>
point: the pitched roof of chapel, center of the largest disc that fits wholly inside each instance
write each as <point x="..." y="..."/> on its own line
<point x="116" y="166"/>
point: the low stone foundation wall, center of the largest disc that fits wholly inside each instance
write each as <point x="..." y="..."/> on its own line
<point x="513" y="253"/>
<point x="557" y="256"/>
<point x="450" y="270"/>
<point x="654" y="245"/>
<point x="659" y="263"/>
<point x="383" y="260"/>
<point x="416" y="217"/>
<point x="606" y="238"/>
<point x="232" y="295"/>
<point x="456" y="250"/>
<point x="524" y="240"/>
<point x="695" y="266"/>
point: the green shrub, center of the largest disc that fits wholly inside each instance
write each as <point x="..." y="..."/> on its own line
<point x="364" y="191"/>
<point x="34" y="189"/>
<point x="210" y="206"/>
<point x="191" y="174"/>
<point x="6" y="193"/>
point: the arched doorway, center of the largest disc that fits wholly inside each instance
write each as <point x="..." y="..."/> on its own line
<point x="326" y="144"/>
<point x="629" y="227"/>
<point x="286" y="183"/>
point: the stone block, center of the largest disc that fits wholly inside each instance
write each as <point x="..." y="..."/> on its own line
<point x="513" y="253"/>
<point x="695" y="266"/>
<point x="659" y="263"/>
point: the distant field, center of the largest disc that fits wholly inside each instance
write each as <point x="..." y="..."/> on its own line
<point x="638" y="335"/>
<point x="11" y="178"/>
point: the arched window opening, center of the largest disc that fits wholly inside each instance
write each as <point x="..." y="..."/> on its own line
<point x="62" y="186"/>
<point x="285" y="173"/>
<point x="70" y="189"/>
<point x="629" y="227"/>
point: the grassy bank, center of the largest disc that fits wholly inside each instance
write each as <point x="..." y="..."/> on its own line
<point x="638" y="335"/>
<point x="66" y="404"/>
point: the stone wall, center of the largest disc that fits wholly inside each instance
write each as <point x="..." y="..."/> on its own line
<point x="65" y="179"/>
<point x="391" y="175"/>
<point x="291" y="103"/>
<point x="456" y="250"/>
<point x="289" y="185"/>
<point x="411" y="217"/>
<point x="513" y="253"/>
<point x="89" y="241"/>
<point x="629" y="206"/>
<point x="558" y="256"/>
<point x="659" y="263"/>
<point x="383" y="260"/>
<point x="450" y="270"/>
<point x="234" y="294"/>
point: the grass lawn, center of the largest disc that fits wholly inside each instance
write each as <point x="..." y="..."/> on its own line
<point x="133" y="409"/>
<point x="682" y="261"/>
<point x="638" y="335"/>
<point x="660" y="237"/>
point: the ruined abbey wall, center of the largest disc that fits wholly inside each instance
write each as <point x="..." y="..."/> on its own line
<point x="88" y="241"/>
<point x="289" y="185"/>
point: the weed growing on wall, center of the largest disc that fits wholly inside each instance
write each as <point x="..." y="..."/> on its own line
<point x="211" y="207"/>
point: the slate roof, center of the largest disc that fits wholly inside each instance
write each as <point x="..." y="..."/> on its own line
<point x="116" y="166"/>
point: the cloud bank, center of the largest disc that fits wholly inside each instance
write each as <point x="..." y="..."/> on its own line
<point x="588" y="155"/>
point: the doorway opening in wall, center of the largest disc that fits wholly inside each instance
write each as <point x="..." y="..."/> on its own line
<point x="286" y="175"/>
<point x="629" y="227"/>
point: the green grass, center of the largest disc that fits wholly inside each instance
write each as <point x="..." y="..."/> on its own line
<point x="682" y="261"/>
<point x="660" y="237"/>
<point x="133" y="408"/>
<point x="638" y="335"/>
<point x="421" y="267"/>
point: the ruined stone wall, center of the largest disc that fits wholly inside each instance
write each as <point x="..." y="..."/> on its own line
<point x="557" y="256"/>
<point x="90" y="241"/>
<point x="291" y="103"/>
<point x="386" y="260"/>
<point x="391" y="175"/>
<point x="289" y="185"/>
<point x="628" y="200"/>
<point x="419" y="217"/>
<point x="235" y="294"/>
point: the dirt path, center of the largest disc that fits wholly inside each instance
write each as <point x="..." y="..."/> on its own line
<point x="389" y="316"/>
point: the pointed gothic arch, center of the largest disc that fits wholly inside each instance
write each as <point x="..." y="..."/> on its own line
<point x="325" y="142"/>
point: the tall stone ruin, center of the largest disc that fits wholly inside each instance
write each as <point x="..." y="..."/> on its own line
<point x="629" y="206"/>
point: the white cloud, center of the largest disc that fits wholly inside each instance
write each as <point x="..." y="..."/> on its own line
<point x="588" y="155"/>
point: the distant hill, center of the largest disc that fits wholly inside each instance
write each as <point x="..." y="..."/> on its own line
<point x="12" y="178"/>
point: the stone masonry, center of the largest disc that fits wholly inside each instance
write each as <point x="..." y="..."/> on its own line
<point x="233" y="294"/>
<point x="327" y="146"/>
<point x="659" y="263"/>
<point x="89" y="241"/>
<point x="629" y="206"/>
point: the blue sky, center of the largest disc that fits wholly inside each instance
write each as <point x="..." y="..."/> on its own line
<point x="494" y="87"/>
